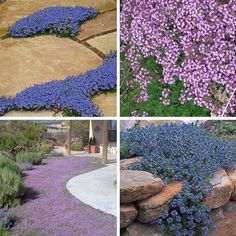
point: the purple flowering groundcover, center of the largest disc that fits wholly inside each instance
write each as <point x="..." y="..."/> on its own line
<point x="48" y="208"/>
<point x="193" y="41"/>
<point x="72" y="95"/>
<point x="62" y="21"/>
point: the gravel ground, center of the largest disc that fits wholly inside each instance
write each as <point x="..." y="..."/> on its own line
<point x="48" y="209"/>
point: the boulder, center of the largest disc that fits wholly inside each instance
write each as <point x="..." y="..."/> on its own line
<point x="138" y="185"/>
<point x="138" y="229"/>
<point x="151" y="209"/>
<point x="222" y="190"/>
<point x="226" y="224"/>
<point x="124" y="164"/>
<point x="232" y="177"/>
<point x="128" y="214"/>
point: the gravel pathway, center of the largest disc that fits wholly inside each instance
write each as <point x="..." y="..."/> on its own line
<point x="50" y="210"/>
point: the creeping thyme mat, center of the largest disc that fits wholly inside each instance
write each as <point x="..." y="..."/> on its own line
<point x="192" y="41"/>
<point x="72" y="95"/>
<point x="187" y="153"/>
<point x="61" y="21"/>
<point x="50" y="209"/>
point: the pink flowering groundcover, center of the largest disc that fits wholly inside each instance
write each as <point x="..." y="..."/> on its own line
<point x="178" y="56"/>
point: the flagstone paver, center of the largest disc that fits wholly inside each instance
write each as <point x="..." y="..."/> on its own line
<point x="12" y="10"/>
<point x="25" y="62"/>
<point x="43" y="113"/>
<point x="102" y="23"/>
<point x="104" y="43"/>
<point x="107" y="103"/>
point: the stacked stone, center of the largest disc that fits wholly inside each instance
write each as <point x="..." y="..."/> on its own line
<point x="144" y="198"/>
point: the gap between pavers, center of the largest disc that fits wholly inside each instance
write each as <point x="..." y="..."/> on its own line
<point x="96" y="188"/>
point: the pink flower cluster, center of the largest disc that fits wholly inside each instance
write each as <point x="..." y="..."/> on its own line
<point x="201" y="30"/>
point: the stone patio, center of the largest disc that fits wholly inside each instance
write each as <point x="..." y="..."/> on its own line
<point x="29" y="61"/>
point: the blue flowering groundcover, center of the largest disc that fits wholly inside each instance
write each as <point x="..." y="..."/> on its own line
<point x="61" y="21"/>
<point x="72" y="95"/>
<point x="187" y="153"/>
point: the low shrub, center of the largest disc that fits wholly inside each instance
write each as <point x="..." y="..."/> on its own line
<point x="11" y="188"/>
<point x="35" y="158"/>
<point x="76" y="147"/>
<point x="11" y="165"/>
<point x="72" y="94"/>
<point x="187" y="153"/>
<point x="45" y="148"/>
<point x="55" y="154"/>
<point x="25" y="166"/>
<point x="61" y="21"/>
<point x="6" y="220"/>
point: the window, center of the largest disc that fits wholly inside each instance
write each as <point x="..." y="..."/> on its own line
<point x="112" y="127"/>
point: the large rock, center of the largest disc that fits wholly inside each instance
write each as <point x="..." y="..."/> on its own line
<point x="138" y="185"/>
<point x="128" y="214"/>
<point x="226" y="224"/>
<point x="25" y="62"/>
<point x="105" y="22"/>
<point x="232" y="177"/>
<point x="151" y="209"/>
<point x="138" y="229"/>
<point x="13" y="10"/>
<point x="104" y="43"/>
<point x="222" y="189"/>
<point x="126" y="163"/>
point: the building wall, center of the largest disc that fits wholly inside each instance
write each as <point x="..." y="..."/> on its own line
<point x="96" y="131"/>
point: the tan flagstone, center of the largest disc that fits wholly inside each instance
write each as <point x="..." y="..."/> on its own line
<point x="43" y="113"/>
<point x="107" y="103"/>
<point x="25" y="62"/>
<point x="102" y="23"/>
<point x="104" y="43"/>
<point x="13" y="10"/>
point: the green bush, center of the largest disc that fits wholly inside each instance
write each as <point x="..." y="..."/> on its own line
<point x="11" y="165"/>
<point x="45" y="148"/>
<point x="33" y="157"/>
<point x="17" y="134"/>
<point x="11" y="187"/>
<point x="76" y="147"/>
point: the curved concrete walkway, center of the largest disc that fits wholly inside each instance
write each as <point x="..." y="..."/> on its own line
<point x="96" y="188"/>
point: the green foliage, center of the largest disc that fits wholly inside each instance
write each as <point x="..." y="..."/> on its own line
<point x="19" y="133"/>
<point x="153" y="106"/>
<point x="225" y="128"/>
<point x="80" y="129"/>
<point x="3" y="231"/>
<point x="11" y="187"/>
<point x="92" y="141"/>
<point x="45" y="148"/>
<point x="33" y="157"/>
<point x="76" y="147"/>
<point x="9" y="164"/>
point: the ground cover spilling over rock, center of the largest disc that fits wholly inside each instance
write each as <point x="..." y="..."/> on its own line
<point x="193" y="163"/>
<point x="61" y="21"/>
<point x="71" y="95"/>
<point x="186" y="48"/>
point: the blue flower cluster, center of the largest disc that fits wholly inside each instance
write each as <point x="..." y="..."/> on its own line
<point x="187" y="153"/>
<point x="62" y="21"/>
<point x="73" y="93"/>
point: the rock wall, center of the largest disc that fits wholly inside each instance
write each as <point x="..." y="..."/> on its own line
<point x="144" y="198"/>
